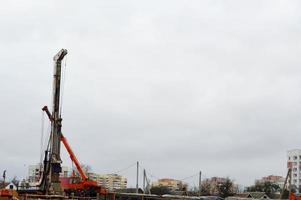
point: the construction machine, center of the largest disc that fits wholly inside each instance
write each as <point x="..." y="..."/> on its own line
<point x="79" y="186"/>
<point x="50" y="182"/>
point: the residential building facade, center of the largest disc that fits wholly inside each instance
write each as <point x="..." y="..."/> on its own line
<point x="35" y="172"/>
<point x="110" y="181"/>
<point x="173" y="184"/>
<point x="278" y="180"/>
<point x="294" y="163"/>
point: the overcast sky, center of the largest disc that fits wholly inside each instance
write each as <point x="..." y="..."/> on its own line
<point x="180" y="86"/>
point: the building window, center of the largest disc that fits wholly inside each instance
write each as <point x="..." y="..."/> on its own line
<point x="295" y="157"/>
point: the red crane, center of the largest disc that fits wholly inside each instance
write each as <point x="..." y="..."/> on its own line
<point x="84" y="186"/>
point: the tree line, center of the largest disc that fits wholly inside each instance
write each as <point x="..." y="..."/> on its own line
<point x="225" y="189"/>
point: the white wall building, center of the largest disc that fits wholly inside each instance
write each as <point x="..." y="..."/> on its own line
<point x="110" y="181"/>
<point x="35" y="171"/>
<point x="11" y="186"/>
<point x="294" y="162"/>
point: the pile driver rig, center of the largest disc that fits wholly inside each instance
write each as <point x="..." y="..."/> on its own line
<point x="50" y="183"/>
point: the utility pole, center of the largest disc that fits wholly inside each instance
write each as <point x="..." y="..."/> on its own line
<point x="137" y="178"/>
<point x="144" y="179"/>
<point x="200" y="183"/>
<point x="4" y="176"/>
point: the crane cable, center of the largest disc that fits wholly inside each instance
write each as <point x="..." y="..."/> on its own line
<point x="42" y="136"/>
<point x="45" y="137"/>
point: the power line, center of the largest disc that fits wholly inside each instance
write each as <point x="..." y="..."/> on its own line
<point x="147" y="172"/>
<point x="191" y="176"/>
<point x="124" y="169"/>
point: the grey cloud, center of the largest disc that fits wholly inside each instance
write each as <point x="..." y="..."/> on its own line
<point x="179" y="85"/>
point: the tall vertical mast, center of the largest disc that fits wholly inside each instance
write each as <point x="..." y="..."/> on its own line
<point x="144" y="177"/>
<point x="137" y="178"/>
<point x="200" y="183"/>
<point x="55" y="159"/>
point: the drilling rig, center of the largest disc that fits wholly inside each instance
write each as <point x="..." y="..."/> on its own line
<point x="50" y="181"/>
<point x="50" y="185"/>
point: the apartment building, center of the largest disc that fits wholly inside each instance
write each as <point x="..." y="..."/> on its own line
<point x="294" y="163"/>
<point x="278" y="180"/>
<point x="172" y="184"/>
<point x="35" y="172"/>
<point x="110" y="181"/>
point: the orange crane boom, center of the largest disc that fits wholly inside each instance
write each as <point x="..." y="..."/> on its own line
<point x="74" y="159"/>
<point x="68" y="148"/>
<point x="85" y="185"/>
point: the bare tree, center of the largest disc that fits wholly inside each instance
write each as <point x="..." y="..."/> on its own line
<point x="267" y="187"/>
<point x="225" y="189"/>
<point x="205" y="188"/>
